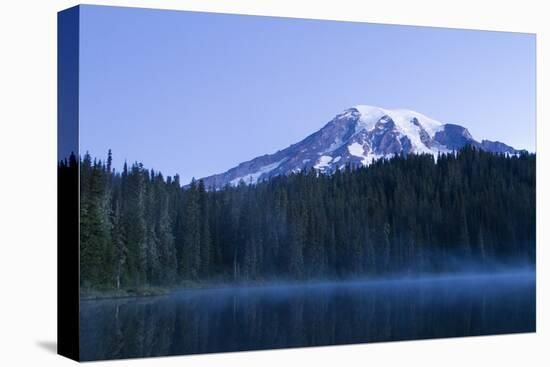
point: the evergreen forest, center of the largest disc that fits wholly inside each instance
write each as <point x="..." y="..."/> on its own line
<point x="404" y="215"/>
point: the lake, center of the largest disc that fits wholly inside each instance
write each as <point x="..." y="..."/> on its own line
<point x="282" y="316"/>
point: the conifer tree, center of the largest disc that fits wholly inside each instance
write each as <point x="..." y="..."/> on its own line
<point x="404" y="214"/>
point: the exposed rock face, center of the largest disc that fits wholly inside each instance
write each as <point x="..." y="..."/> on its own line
<point x="453" y="136"/>
<point x="358" y="136"/>
<point x="497" y="147"/>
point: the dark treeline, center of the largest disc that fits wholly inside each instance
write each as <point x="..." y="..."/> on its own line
<point x="407" y="214"/>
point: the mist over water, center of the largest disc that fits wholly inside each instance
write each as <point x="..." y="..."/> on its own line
<point x="309" y="314"/>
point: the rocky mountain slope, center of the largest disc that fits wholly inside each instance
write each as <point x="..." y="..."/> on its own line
<point x="358" y="136"/>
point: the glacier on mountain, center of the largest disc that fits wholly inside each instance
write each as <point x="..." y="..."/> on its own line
<point x="358" y="136"/>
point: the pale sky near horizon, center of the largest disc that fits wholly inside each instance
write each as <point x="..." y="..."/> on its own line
<point x="197" y="93"/>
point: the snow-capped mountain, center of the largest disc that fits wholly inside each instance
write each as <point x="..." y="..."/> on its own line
<point x="358" y="136"/>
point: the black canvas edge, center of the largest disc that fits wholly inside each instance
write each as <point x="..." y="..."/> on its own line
<point x="68" y="242"/>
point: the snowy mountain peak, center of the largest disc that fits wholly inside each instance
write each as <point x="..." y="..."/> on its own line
<point x="358" y="136"/>
<point x="406" y="120"/>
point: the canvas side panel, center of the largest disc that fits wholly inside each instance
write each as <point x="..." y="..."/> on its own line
<point x="68" y="184"/>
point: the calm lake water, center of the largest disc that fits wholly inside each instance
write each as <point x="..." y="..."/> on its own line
<point x="233" y="319"/>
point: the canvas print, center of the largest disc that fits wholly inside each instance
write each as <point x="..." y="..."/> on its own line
<point x="233" y="182"/>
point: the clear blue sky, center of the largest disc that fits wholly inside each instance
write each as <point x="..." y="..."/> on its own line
<point x="197" y="93"/>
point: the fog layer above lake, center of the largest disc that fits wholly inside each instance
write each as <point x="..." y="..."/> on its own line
<point x="319" y="313"/>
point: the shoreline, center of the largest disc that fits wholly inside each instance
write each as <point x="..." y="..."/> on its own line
<point x="152" y="291"/>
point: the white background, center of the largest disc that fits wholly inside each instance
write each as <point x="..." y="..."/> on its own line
<point x="28" y="183"/>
